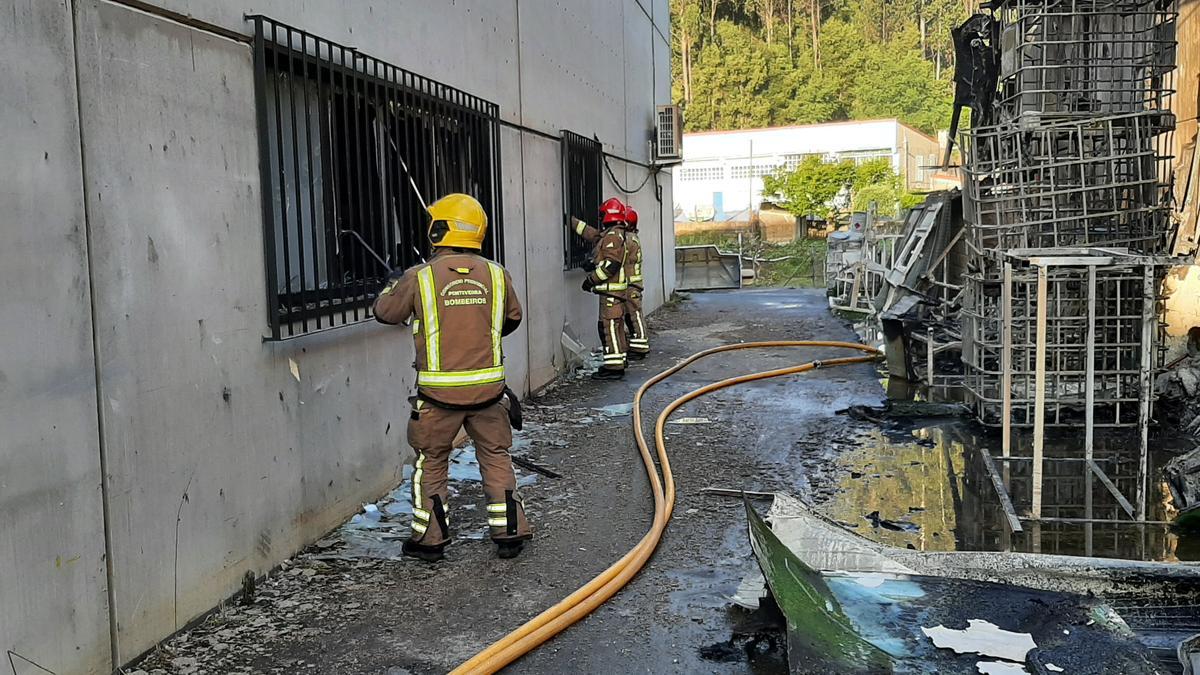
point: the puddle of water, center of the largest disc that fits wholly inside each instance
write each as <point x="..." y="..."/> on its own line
<point x="933" y="486"/>
<point x="382" y="537"/>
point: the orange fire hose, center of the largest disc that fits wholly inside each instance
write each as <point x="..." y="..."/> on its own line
<point x="591" y="595"/>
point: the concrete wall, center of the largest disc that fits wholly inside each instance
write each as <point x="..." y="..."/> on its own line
<point x="53" y="604"/>
<point x="224" y="454"/>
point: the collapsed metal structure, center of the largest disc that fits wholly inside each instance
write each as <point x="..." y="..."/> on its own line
<point x="1044" y="297"/>
<point x="1068" y="210"/>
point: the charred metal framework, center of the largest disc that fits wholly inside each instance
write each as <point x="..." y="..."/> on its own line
<point x="1072" y="164"/>
<point x="1094" y="351"/>
<point x="1067" y="207"/>
<point x="1070" y="182"/>
<point x="1085" y="58"/>
<point x="582" y="183"/>
<point x="351" y="150"/>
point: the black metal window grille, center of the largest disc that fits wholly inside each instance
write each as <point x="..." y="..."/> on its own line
<point x="581" y="159"/>
<point x="352" y="149"/>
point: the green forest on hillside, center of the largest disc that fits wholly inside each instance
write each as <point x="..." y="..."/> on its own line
<point x="755" y="63"/>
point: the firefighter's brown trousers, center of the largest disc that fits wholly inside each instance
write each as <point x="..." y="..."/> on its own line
<point x="639" y="339"/>
<point x="431" y="432"/>
<point x="612" y="331"/>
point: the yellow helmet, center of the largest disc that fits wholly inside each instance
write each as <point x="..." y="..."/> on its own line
<point x="457" y="221"/>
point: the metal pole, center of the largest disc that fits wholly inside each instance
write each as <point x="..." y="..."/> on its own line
<point x="1149" y="320"/>
<point x="1006" y="359"/>
<point x="1039" y="401"/>
<point x="750" y="198"/>
<point x="929" y="360"/>
<point x="1089" y="413"/>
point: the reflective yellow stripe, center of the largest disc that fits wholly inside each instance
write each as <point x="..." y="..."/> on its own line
<point x="421" y="514"/>
<point x="460" y="378"/>
<point x="433" y="351"/>
<point x="433" y="375"/>
<point x="614" y="286"/>
<point x="600" y="273"/>
<point x="580" y="226"/>
<point x="635" y="278"/>
<point x="498" y="522"/>
<point x="497" y="508"/>
<point x="418" y="474"/>
<point x="419" y="528"/>
<point x="498" y="302"/>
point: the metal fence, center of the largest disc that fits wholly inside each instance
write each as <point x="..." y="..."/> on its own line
<point x="581" y="158"/>
<point x="352" y="150"/>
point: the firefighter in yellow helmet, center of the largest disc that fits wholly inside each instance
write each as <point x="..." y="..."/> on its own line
<point x="606" y="278"/>
<point x="463" y="304"/>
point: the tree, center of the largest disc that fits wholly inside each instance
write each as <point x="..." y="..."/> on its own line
<point x="896" y="81"/>
<point x="810" y="188"/>
<point x="814" y="186"/>
<point x="754" y="64"/>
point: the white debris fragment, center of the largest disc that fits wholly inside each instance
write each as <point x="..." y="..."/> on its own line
<point x="983" y="638"/>
<point x="691" y="420"/>
<point x="294" y="367"/>
<point x="1000" y="668"/>
<point x="371" y="512"/>
<point x="1054" y="669"/>
<point x="616" y="410"/>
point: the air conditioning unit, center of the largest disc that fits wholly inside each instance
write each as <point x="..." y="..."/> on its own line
<point x="669" y="133"/>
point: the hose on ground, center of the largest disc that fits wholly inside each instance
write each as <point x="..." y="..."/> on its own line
<point x="591" y="595"/>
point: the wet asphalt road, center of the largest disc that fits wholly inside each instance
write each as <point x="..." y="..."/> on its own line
<point x="396" y="617"/>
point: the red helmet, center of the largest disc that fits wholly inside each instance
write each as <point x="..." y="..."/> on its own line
<point x="612" y="211"/>
<point x="631" y="218"/>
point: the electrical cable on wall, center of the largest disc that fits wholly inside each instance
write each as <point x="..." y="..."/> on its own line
<point x="651" y="171"/>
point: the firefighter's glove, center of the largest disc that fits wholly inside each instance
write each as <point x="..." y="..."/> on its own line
<point x="589" y="266"/>
<point x="588" y="284"/>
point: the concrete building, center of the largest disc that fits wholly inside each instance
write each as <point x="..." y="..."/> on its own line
<point x="187" y="395"/>
<point x="721" y="174"/>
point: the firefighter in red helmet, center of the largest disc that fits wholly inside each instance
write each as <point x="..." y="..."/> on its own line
<point x="639" y="339"/>
<point x="607" y="279"/>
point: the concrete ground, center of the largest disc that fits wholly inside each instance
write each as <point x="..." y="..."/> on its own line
<point x="326" y="612"/>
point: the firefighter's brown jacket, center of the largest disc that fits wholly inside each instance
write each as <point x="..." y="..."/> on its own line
<point x="458" y="324"/>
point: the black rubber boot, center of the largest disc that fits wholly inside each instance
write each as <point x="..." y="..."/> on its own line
<point x="636" y="356"/>
<point x="608" y="374"/>
<point x="509" y="549"/>
<point x="422" y="552"/>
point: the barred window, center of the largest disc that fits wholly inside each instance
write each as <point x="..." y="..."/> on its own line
<point x="581" y="158"/>
<point x="352" y="150"/>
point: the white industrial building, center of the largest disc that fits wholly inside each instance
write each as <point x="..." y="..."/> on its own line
<point x="193" y="194"/>
<point x="721" y="175"/>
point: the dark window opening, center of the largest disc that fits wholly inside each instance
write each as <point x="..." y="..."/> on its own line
<point x="581" y="159"/>
<point x="352" y="150"/>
